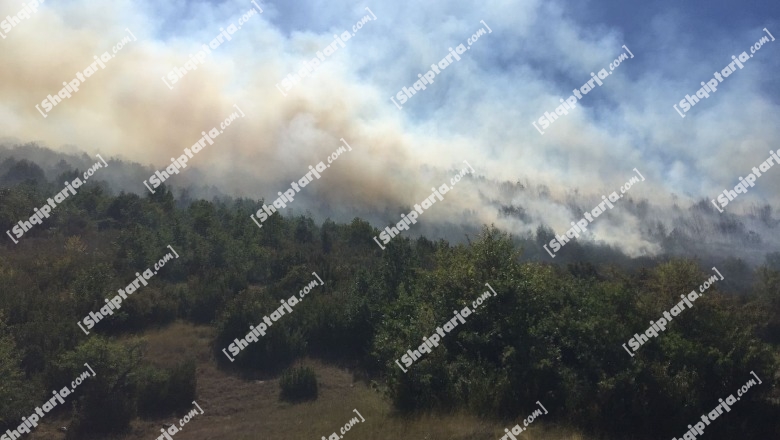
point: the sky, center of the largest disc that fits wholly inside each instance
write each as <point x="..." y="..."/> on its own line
<point x="479" y="109"/>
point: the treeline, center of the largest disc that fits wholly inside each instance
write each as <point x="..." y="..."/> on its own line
<point x="553" y="333"/>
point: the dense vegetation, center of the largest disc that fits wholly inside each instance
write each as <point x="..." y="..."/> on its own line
<point x="298" y="384"/>
<point x="553" y="333"/>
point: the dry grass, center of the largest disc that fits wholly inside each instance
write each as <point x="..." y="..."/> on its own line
<point x="248" y="409"/>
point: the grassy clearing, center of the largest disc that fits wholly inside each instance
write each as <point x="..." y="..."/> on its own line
<point x="240" y="408"/>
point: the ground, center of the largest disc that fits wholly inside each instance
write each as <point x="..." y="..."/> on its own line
<point x="239" y="408"/>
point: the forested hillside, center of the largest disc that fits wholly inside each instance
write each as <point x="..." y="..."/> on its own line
<point x="552" y="333"/>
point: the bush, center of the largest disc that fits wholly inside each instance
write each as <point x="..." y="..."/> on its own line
<point x="298" y="384"/>
<point x="161" y="392"/>
<point x="278" y="349"/>
<point x="16" y="392"/>
<point x="102" y="411"/>
<point x="105" y="403"/>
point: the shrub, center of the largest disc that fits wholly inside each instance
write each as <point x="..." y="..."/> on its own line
<point x="16" y="393"/>
<point x="161" y="392"/>
<point x="271" y="353"/>
<point x="105" y="403"/>
<point x="298" y="384"/>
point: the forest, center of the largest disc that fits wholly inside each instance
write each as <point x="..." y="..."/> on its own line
<point x="553" y="332"/>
